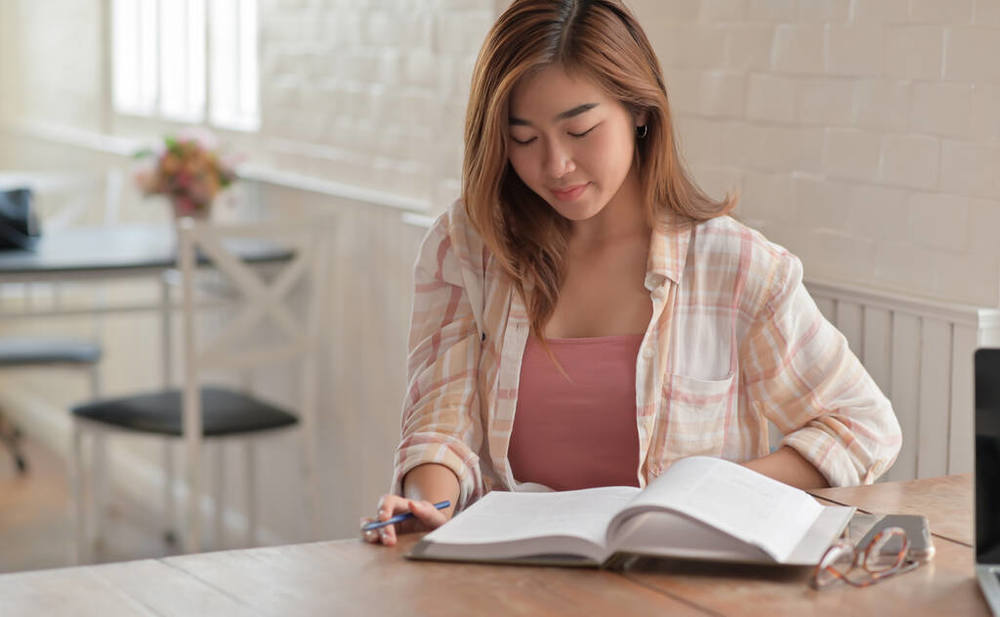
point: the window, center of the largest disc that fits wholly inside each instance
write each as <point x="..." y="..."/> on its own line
<point x="160" y="66"/>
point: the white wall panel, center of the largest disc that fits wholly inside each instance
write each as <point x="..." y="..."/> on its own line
<point x="904" y="384"/>
<point x="877" y="347"/>
<point x="935" y="398"/>
<point x="961" y="431"/>
<point x="851" y="323"/>
<point x="827" y="306"/>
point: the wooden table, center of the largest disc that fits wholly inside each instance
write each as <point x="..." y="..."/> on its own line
<point x="946" y="586"/>
<point x="351" y="578"/>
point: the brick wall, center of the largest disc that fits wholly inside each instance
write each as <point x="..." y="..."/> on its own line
<point x="364" y="92"/>
<point x="57" y="50"/>
<point x="370" y="92"/>
<point x="864" y="135"/>
<point x="6" y="59"/>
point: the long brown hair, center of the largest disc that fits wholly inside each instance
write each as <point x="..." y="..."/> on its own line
<point x="599" y="39"/>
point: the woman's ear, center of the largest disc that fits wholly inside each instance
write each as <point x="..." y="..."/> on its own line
<point x="641" y="117"/>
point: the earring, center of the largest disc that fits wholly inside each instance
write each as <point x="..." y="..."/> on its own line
<point x="640" y="131"/>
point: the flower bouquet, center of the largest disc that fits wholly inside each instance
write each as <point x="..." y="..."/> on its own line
<point x="188" y="170"/>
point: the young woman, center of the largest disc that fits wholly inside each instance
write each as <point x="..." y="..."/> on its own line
<point x="585" y="315"/>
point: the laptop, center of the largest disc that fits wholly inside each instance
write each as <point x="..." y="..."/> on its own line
<point x="987" y="452"/>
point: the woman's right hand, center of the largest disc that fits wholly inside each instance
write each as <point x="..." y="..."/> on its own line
<point x="425" y="518"/>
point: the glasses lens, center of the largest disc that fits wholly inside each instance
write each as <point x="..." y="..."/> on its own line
<point x="887" y="551"/>
<point x="836" y="563"/>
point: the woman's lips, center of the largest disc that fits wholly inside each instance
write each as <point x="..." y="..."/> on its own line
<point x="571" y="193"/>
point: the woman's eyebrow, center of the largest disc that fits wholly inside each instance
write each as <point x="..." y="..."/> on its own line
<point x="569" y="113"/>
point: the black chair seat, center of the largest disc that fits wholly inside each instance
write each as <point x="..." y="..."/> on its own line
<point x="224" y="412"/>
<point x="40" y="351"/>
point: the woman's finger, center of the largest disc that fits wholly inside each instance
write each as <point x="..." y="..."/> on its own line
<point x="425" y="511"/>
<point x="425" y="516"/>
<point x="388" y="535"/>
<point x="368" y="536"/>
<point x="387" y="504"/>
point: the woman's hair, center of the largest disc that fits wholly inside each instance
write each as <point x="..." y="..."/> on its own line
<point x="596" y="39"/>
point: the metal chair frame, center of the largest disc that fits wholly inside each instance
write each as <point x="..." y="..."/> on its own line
<point x="262" y="301"/>
<point x="10" y="435"/>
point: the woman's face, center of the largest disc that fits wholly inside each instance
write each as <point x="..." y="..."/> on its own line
<point x="569" y="141"/>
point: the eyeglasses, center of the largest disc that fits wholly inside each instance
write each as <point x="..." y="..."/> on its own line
<point x="884" y="556"/>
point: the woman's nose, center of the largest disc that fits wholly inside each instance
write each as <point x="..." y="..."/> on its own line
<point x="558" y="161"/>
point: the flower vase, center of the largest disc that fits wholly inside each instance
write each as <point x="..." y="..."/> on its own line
<point x="183" y="206"/>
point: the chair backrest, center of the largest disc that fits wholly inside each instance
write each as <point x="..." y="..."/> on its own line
<point x="247" y="255"/>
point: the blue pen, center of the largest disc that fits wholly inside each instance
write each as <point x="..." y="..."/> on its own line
<point x="399" y="518"/>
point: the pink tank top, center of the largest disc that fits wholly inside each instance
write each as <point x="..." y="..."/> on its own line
<point x="580" y="433"/>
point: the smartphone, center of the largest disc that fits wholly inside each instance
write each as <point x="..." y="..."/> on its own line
<point x="917" y="530"/>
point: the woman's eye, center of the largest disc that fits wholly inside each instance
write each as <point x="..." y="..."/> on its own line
<point x="522" y="142"/>
<point x="584" y="133"/>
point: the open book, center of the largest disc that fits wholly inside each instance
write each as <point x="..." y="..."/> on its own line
<point x="700" y="508"/>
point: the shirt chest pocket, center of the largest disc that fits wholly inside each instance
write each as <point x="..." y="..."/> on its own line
<point x="696" y="414"/>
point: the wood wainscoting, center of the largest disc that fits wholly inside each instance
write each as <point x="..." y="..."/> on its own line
<point x="920" y="353"/>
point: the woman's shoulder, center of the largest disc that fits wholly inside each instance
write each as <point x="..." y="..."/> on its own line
<point x="726" y="239"/>
<point x="454" y="224"/>
<point x="452" y="239"/>
<point x="743" y="257"/>
<point x="726" y="232"/>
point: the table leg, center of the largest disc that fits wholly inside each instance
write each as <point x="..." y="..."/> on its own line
<point x="167" y="369"/>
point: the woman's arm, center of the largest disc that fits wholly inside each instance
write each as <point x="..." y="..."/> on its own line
<point x="422" y="487"/>
<point x="801" y="375"/>
<point x="438" y="454"/>
<point x="431" y="482"/>
<point x="788" y="466"/>
<point x="441" y="420"/>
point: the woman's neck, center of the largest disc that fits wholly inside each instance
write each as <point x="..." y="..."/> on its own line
<point x="622" y="219"/>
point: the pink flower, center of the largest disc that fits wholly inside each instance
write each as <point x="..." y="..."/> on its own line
<point x="187" y="169"/>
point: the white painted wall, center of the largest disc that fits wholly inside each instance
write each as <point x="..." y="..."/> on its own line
<point x="8" y="64"/>
<point x="367" y="92"/>
<point x="57" y="47"/>
<point x="862" y="134"/>
<point x="331" y="110"/>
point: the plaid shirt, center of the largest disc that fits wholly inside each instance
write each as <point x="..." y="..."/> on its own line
<point x="735" y="340"/>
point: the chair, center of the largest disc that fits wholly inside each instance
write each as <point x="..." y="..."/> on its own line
<point x="23" y="352"/>
<point x="67" y="198"/>
<point x="196" y="412"/>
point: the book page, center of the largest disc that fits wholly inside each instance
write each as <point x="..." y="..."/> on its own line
<point x="733" y="499"/>
<point x="505" y="517"/>
<point x="660" y="533"/>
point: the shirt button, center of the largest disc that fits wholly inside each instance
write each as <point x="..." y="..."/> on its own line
<point x="648" y="352"/>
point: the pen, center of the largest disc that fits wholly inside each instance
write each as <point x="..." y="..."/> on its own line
<point x="372" y="526"/>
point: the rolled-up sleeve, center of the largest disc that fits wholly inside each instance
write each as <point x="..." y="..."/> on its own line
<point x="441" y="421"/>
<point x="801" y="375"/>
